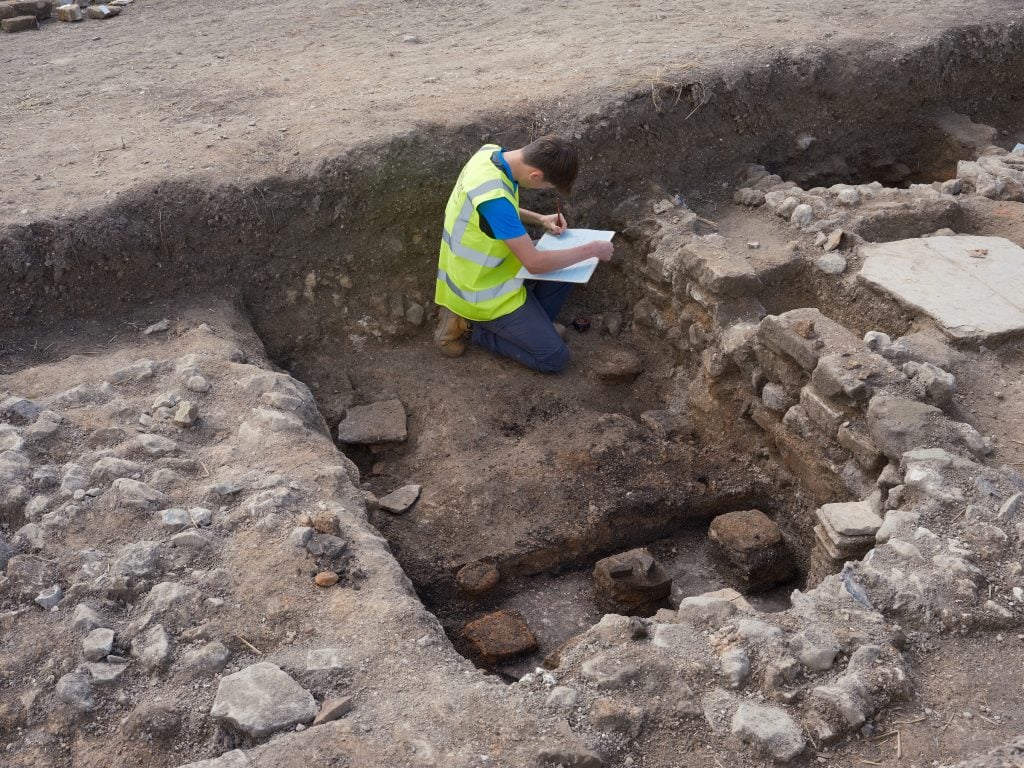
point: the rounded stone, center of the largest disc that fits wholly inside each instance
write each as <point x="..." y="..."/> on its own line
<point x="831" y="264"/>
<point x="802" y="215"/>
<point x="477" y="578"/>
<point x="326" y="579"/>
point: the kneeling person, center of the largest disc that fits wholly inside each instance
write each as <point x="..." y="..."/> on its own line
<point x="485" y="243"/>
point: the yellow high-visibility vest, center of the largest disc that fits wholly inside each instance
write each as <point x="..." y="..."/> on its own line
<point x="476" y="274"/>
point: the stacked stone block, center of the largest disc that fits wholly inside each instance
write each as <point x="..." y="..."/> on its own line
<point x="845" y="531"/>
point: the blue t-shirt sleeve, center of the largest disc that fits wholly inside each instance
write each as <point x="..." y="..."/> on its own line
<point x="503" y="218"/>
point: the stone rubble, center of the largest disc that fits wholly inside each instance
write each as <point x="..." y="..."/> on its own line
<point x="908" y="529"/>
<point x="919" y="530"/>
<point x="138" y="539"/>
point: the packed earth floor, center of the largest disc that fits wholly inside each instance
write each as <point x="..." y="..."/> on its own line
<point x="773" y="511"/>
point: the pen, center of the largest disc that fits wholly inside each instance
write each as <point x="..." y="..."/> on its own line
<point x="558" y="212"/>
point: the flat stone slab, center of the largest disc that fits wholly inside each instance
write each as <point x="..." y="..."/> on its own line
<point x="718" y="270"/>
<point x="399" y="501"/>
<point x="852" y="518"/>
<point x="382" y="422"/>
<point x="973" y="286"/>
<point x="262" y="699"/>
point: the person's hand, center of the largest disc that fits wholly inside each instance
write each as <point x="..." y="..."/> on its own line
<point x="601" y="249"/>
<point x="553" y="223"/>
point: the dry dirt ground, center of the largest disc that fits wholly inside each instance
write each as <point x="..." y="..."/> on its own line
<point x="235" y="93"/>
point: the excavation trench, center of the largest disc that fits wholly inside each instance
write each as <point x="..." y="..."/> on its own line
<point x="542" y="476"/>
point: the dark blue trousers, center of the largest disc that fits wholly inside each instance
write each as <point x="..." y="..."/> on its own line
<point x="527" y="335"/>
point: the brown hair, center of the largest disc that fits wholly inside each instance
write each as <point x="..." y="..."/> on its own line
<point x="556" y="158"/>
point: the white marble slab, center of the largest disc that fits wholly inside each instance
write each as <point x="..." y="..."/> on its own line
<point x="973" y="286"/>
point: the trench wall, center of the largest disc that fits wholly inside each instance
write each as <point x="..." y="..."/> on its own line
<point x="303" y="254"/>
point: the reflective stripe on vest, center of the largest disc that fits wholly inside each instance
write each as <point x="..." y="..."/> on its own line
<point x="474" y="297"/>
<point x="476" y="273"/>
<point x="454" y="240"/>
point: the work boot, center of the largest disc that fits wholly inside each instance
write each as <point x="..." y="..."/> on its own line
<point x="450" y="330"/>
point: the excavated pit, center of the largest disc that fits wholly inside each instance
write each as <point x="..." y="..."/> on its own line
<point x="542" y="476"/>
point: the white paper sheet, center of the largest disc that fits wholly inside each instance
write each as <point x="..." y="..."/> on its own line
<point x="570" y="238"/>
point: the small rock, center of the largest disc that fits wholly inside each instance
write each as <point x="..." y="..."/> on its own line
<point x="139" y="560"/>
<point x="477" y="578"/>
<point x="190" y="540"/>
<point x="803" y="215"/>
<point x="185" y="414"/>
<point x="110" y="468"/>
<point x="102" y="11"/>
<point x="75" y="689"/>
<point x="833" y="240"/>
<point x="175" y="518"/>
<point x="770" y="729"/>
<point x="736" y="666"/>
<point x="848" y="196"/>
<point x="326" y="579"/>
<point x="105" y="673"/>
<point x="326" y="521"/>
<point x="333" y="709"/>
<point x="952" y="186"/>
<point x="201" y="516"/>
<point x="325" y="545"/>
<point x="787" y="206"/>
<point x="876" y="341"/>
<point x="152" y="648"/>
<point x="262" y="699"/>
<point x="133" y="493"/>
<point x="97" y="644"/>
<point x="20" y="408"/>
<point x="209" y="659"/>
<point x="300" y="536"/>
<point x="85" y="619"/>
<point x="399" y="501"/>
<point x="414" y="315"/>
<point x="197" y="383"/>
<point x="831" y="264"/>
<point x="1010" y="508"/>
<point x="156" y="445"/>
<point x="14" y="465"/>
<point x="939" y="385"/>
<point x="161" y="325"/>
<point x="410" y="39"/>
<point x="48" y="598"/>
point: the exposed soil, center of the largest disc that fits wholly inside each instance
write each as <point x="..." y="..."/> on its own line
<point x="234" y="94"/>
<point x="295" y="159"/>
